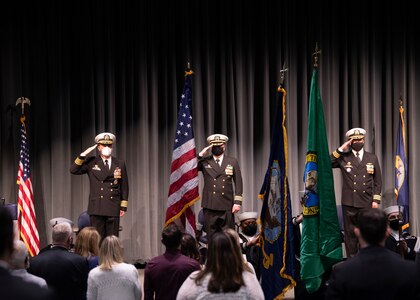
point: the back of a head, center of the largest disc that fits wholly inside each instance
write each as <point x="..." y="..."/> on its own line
<point x="372" y="223"/>
<point x="224" y="262"/>
<point x="61" y="232"/>
<point x="189" y="246"/>
<point x="6" y="233"/>
<point x="111" y="252"/>
<point x="171" y="236"/>
<point x="20" y="255"/>
<point x="87" y="242"/>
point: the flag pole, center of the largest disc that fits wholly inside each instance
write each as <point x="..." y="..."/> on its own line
<point x="283" y="73"/>
<point x="22" y="101"/>
<point x="315" y="55"/>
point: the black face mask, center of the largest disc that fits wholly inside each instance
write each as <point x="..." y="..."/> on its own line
<point x="250" y="230"/>
<point x="217" y="150"/>
<point x="394" y="224"/>
<point x="357" y="146"/>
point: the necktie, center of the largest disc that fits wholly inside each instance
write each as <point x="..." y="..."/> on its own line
<point x="106" y="164"/>
<point x="358" y="157"/>
<point x="218" y="161"/>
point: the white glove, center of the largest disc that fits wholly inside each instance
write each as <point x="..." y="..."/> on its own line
<point x="203" y="152"/>
<point x="88" y="150"/>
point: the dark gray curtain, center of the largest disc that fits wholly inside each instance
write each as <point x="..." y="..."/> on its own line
<point x="91" y="66"/>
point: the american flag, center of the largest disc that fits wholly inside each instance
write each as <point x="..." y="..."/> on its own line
<point x="26" y="212"/>
<point x="183" y="185"/>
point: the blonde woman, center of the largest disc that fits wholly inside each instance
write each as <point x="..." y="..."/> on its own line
<point x="87" y="245"/>
<point x="113" y="279"/>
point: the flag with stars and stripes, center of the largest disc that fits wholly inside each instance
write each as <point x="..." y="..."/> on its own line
<point x="26" y="211"/>
<point x="183" y="185"/>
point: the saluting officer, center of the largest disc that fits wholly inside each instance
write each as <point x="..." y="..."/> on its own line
<point x="222" y="191"/>
<point x="362" y="182"/>
<point x="108" y="198"/>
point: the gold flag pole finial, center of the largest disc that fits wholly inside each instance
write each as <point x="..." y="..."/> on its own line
<point x="401" y="101"/>
<point x="283" y="73"/>
<point x="315" y="55"/>
<point x="22" y="101"/>
<point x="188" y="71"/>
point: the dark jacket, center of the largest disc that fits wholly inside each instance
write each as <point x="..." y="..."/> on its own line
<point x="222" y="184"/>
<point x="66" y="273"/>
<point x="362" y="182"/>
<point x="374" y="273"/>
<point x="108" y="187"/>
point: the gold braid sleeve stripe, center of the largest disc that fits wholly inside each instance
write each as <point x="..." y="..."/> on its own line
<point x="124" y="203"/>
<point x="79" y="161"/>
<point x="336" y="154"/>
<point x="377" y="198"/>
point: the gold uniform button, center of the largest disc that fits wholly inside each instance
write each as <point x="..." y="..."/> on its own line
<point x="223" y="180"/>
<point x="214" y="192"/>
<point x="110" y="183"/>
<point x="111" y="190"/>
<point x="354" y="191"/>
<point x="223" y="193"/>
<point x="364" y="183"/>
<point x="364" y="191"/>
<point x="364" y="176"/>
<point x="215" y="179"/>
<point x="102" y="189"/>
<point x="214" y="185"/>
<point x="111" y="197"/>
<point x="102" y="181"/>
<point x="102" y="196"/>
<point x="354" y="183"/>
<point x="355" y="175"/>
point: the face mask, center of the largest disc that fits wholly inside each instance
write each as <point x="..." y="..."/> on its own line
<point x="217" y="150"/>
<point x="394" y="224"/>
<point x="106" y="151"/>
<point x="357" y="146"/>
<point x="250" y="230"/>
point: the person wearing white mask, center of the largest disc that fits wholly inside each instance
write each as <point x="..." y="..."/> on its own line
<point x="108" y="198"/>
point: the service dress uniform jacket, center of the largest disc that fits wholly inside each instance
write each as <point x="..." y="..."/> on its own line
<point x="108" y="186"/>
<point x="222" y="184"/>
<point x="362" y="182"/>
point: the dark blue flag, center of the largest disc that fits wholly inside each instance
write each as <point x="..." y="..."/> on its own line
<point x="278" y="266"/>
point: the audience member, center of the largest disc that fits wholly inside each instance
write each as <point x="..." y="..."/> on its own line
<point x="20" y="264"/>
<point x="375" y="272"/>
<point x="87" y="245"/>
<point x="396" y="241"/>
<point x="226" y="275"/>
<point x="13" y="287"/>
<point x="113" y="279"/>
<point x="65" y="272"/>
<point x="249" y="239"/>
<point x="165" y="274"/>
<point x="54" y="222"/>
<point x="189" y="246"/>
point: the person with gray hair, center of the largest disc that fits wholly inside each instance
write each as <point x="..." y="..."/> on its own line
<point x="20" y="264"/>
<point x="65" y="272"/>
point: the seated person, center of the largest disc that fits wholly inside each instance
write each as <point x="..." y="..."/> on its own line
<point x="249" y="237"/>
<point x="20" y="264"/>
<point x="397" y="241"/>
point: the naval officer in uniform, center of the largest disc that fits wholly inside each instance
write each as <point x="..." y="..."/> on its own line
<point x="362" y="182"/>
<point x="222" y="191"/>
<point x="108" y="198"/>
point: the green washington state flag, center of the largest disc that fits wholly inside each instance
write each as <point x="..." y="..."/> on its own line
<point x="321" y="240"/>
